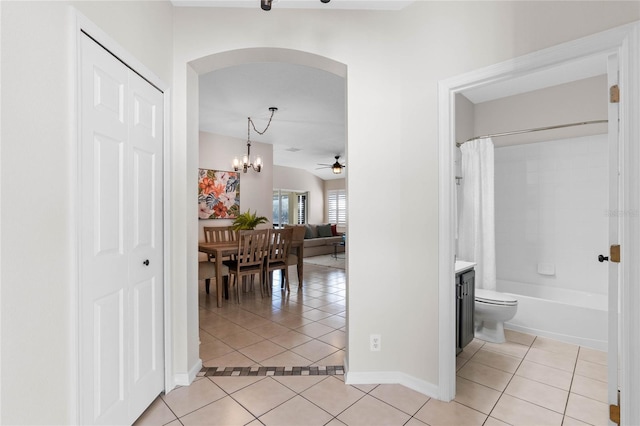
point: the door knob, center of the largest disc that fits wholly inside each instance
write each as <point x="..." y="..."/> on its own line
<point x="602" y="258"/>
<point x="146" y="262"/>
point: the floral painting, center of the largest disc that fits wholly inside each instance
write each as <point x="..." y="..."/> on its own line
<point x="218" y="194"/>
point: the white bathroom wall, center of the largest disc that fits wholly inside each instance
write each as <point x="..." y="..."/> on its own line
<point x="551" y="202"/>
<point x="465" y="124"/>
<point x="576" y="101"/>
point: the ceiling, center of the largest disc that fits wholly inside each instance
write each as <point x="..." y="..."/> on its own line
<point x="301" y="4"/>
<point x="309" y="126"/>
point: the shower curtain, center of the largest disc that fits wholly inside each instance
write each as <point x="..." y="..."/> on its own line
<point x="476" y="237"/>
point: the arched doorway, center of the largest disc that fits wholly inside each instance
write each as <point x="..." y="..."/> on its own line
<point x="257" y="185"/>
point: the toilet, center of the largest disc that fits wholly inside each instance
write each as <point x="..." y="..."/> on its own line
<point x="492" y="309"/>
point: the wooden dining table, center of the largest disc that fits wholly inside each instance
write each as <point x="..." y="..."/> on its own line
<point x="219" y="250"/>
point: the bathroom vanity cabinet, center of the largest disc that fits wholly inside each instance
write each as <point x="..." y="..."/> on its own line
<point x="465" y="299"/>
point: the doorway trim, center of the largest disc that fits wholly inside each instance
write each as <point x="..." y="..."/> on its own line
<point x="84" y="24"/>
<point x="625" y="41"/>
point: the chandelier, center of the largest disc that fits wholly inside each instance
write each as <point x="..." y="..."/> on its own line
<point x="247" y="161"/>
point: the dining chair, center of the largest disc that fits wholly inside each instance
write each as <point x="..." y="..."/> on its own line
<point x="214" y="234"/>
<point x="277" y="258"/>
<point x="252" y="249"/>
<point x="292" y="259"/>
<point x="207" y="271"/>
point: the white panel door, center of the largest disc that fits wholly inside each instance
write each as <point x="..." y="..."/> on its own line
<point x="614" y="232"/>
<point x="121" y="311"/>
<point x="145" y="258"/>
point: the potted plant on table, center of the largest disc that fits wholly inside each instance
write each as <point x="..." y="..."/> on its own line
<point x="248" y="220"/>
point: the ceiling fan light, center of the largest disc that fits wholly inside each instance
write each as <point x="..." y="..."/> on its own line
<point x="336" y="168"/>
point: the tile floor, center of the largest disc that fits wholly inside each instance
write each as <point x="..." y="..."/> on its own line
<point x="528" y="380"/>
<point x="299" y="328"/>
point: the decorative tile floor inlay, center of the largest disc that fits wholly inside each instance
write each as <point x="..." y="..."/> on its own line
<point x="328" y="370"/>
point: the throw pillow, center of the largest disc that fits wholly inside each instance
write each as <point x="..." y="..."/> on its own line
<point x="334" y="230"/>
<point x="309" y="232"/>
<point x="324" y="231"/>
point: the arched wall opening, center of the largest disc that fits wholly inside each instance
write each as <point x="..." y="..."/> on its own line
<point x="205" y="65"/>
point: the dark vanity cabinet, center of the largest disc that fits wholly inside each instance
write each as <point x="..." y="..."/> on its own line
<point x="465" y="299"/>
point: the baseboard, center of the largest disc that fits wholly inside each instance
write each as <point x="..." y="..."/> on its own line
<point x="185" y="379"/>
<point x="600" y="345"/>
<point x="391" y="377"/>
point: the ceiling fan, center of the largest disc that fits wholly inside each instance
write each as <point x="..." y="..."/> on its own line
<point x="335" y="167"/>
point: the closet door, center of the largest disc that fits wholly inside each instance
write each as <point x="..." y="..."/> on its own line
<point x="121" y="313"/>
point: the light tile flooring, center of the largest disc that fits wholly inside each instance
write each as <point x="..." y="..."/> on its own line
<point x="298" y="328"/>
<point x="528" y="380"/>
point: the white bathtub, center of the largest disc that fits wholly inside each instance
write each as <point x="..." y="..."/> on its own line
<point x="566" y="315"/>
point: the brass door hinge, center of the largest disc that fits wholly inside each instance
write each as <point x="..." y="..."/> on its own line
<point x="614" y="94"/>
<point x="614" y="411"/>
<point x="614" y="253"/>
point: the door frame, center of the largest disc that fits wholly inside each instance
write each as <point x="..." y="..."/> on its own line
<point x="83" y="24"/>
<point x="625" y="41"/>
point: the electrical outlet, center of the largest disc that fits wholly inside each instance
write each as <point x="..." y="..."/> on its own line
<point x="375" y="343"/>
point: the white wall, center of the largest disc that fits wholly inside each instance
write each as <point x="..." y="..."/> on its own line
<point x="394" y="62"/>
<point x="465" y="118"/>
<point x="217" y="152"/>
<point x="38" y="271"/>
<point x="299" y="180"/>
<point x="578" y="101"/>
<point x="551" y="203"/>
<point x="465" y="124"/>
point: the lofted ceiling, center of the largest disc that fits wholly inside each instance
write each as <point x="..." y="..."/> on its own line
<point x="309" y="126"/>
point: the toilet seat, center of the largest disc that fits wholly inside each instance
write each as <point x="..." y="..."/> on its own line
<point x="495" y="298"/>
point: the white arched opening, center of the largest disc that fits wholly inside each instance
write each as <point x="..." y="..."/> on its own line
<point x="188" y="216"/>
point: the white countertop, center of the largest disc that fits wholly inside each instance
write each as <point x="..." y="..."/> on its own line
<point x="462" y="266"/>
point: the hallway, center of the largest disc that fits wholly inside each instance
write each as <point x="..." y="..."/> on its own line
<point x="526" y="380"/>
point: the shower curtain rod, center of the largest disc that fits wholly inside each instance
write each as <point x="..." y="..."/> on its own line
<point x="537" y="129"/>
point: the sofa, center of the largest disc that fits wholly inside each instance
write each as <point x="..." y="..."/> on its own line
<point x="320" y="239"/>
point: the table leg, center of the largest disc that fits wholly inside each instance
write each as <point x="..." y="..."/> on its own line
<point x="300" y="265"/>
<point x="219" y="279"/>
